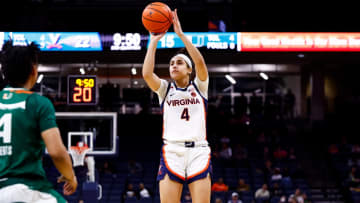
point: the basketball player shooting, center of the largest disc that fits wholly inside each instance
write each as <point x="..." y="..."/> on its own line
<point x="185" y="156"/>
<point x="27" y="125"/>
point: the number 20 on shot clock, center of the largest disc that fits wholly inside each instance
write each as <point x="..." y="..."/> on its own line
<point x="82" y="90"/>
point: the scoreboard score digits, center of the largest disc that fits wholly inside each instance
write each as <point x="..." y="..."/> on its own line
<point x="82" y="90"/>
<point x="56" y="41"/>
<point x="210" y="40"/>
<point x="226" y="42"/>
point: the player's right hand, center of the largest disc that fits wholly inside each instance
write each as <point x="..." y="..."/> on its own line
<point x="157" y="36"/>
<point x="69" y="186"/>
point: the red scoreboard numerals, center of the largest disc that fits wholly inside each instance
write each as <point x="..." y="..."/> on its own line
<point x="77" y="94"/>
<point x="87" y="94"/>
<point x="82" y="94"/>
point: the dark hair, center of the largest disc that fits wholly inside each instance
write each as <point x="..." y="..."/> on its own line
<point x="184" y="51"/>
<point x="17" y="62"/>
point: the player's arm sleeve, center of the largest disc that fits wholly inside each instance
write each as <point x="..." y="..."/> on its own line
<point x="45" y="112"/>
<point x="161" y="92"/>
<point x="202" y="86"/>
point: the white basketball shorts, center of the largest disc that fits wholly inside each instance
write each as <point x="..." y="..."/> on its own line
<point x="185" y="164"/>
<point x="22" y="193"/>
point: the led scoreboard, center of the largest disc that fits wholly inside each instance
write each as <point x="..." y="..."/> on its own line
<point x="82" y="90"/>
<point x="223" y="42"/>
<point x="210" y="40"/>
<point x="56" y="41"/>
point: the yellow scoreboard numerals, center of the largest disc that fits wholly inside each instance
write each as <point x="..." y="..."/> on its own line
<point x="79" y="82"/>
<point x="81" y="90"/>
<point x="86" y="82"/>
<point x="89" y="82"/>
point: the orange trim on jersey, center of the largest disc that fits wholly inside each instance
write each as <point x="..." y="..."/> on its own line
<point x="205" y="113"/>
<point x="163" y="125"/>
<point x="21" y="91"/>
<point x="202" y="171"/>
<point x="167" y="166"/>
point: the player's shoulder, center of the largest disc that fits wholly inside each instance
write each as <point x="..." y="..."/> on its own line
<point x="38" y="100"/>
<point x="197" y="80"/>
<point x="164" y="85"/>
<point x="12" y="95"/>
<point x="18" y="91"/>
<point x="166" y="82"/>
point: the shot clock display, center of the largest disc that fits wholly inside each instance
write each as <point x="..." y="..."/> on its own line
<point x="82" y="90"/>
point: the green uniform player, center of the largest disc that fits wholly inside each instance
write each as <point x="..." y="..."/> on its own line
<point x="27" y="126"/>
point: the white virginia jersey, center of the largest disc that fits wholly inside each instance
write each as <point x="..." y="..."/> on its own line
<point x="184" y="111"/>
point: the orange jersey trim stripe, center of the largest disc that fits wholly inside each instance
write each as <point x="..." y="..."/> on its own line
<point x="21" y="91"/>
<point x="163" y="125"/>
<point x="205" y="113"/>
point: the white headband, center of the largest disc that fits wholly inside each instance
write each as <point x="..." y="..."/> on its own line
<point x="186" y="59"/>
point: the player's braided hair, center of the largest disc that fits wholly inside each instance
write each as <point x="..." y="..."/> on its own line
<point x="17" y="62"/>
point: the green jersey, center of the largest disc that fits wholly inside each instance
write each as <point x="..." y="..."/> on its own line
<point x="23" y="116"/>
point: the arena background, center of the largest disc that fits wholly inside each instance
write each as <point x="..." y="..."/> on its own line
<point x="314" y="143"/>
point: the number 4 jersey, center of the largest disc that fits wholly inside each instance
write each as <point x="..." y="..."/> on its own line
<point x="23" y="116"/>
<point x="184" y="110"/>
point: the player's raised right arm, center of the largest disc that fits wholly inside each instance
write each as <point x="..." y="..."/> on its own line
<point x="61" y="158"/>
<point x="151" y="79"/>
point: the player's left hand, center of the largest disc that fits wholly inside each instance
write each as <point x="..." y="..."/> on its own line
<point x="176" y="23"/>
<point x="69" y="186"/>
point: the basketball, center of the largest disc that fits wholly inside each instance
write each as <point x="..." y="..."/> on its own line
<point x="157" y="17"/>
